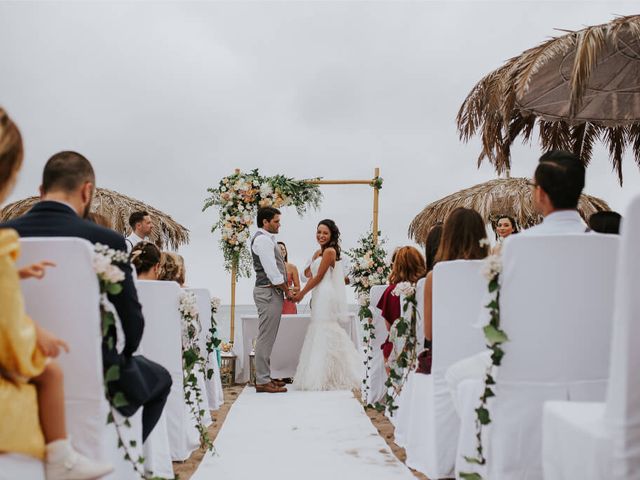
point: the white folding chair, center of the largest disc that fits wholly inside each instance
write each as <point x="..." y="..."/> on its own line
<point x="215" y="393"/>
<point x="14" y="465"/>
<point x="66" y="302"/>
<point x="377" y="372"/>
<point x="162" y="343"/>
<point x="598" y="441"/>
<point x="430" y="436"/>
<point x="556" y="301"/>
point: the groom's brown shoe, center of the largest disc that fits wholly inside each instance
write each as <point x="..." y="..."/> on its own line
<point x="278" y="383"/>
<point x="269" y="388"/>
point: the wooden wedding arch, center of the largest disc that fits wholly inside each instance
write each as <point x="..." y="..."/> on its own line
<point x="374" y="183"/>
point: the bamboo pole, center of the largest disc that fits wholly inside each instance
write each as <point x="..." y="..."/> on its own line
<point x="234" y="280"/>
<point x="376" y="192"/>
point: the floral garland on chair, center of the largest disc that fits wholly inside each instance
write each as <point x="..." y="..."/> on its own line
<point x="368" y="268"/>
<point x="192" y="359"/>
<point x="213" y="341"/>
<point x="404" y="339"/>
<point x="110" y="277"/>
<point x="495" y="337"/>
<point x="239" y="196"/>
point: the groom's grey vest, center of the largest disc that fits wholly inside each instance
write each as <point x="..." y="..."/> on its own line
<point x="261" y="276"/>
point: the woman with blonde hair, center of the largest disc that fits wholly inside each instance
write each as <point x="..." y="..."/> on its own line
<point x="169" y="267"/>
<point x="462" y="239"/>
<point x="32" y="406"/>
<point x="408" y="266"/>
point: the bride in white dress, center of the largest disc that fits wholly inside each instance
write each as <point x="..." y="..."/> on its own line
<point x="329" y="360"/>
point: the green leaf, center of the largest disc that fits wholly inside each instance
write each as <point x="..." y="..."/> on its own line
<point x="133" y="443"/>
<point x="112" y="374"/>
<point x="483" y="416"/>
<point x="493" y="285"/>
<point x="119" y="400"/>
<point x="493" y="335"/>
<point x="110" y="418"/>
<point x="114" y="288"/>
<point x="473" y="460"/>
<point x="493" y="305"/>
<point x="470" y="476"/>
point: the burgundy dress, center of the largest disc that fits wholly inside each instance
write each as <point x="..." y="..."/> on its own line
<point x="288" y="307"/>
<point x="389" y="305"/>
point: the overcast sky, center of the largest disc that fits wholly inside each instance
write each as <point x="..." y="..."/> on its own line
<point x="166" y="98"/>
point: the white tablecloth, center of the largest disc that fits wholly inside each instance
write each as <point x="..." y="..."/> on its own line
<point x="286" y="350"/>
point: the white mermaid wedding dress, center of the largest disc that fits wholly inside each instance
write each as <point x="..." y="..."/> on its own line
<point x="329" y="360"/>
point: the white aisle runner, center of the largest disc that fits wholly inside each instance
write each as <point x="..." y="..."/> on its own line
<point x="299" y="435"/>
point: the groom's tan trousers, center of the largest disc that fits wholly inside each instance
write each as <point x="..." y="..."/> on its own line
<point x="269" y="302"/>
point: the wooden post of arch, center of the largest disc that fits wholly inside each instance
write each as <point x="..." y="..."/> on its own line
<point x="376" y="196"/>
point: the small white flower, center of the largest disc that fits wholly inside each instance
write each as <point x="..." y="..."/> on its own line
<point x="492" y="267"/>
<point x="404" y="288"/>
<point x="363" y="300"/>
<point x="484" y="242"/>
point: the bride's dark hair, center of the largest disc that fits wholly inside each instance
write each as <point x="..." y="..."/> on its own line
<point x="334" y="241"/>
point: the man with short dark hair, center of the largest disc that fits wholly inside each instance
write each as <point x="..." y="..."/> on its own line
<point x="66" y="193"/>
<point x="141" y="227"/>
<point x="271" y="282"/>
<point x="558" y="183"/>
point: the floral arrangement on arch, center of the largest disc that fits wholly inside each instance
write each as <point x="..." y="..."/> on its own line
<point x="368" y="267"/>
<point x="238" y="197"/>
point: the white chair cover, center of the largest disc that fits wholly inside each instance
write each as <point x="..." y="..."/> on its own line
<point x="596" y="440"/>
<point x="215" y="393"/>
<point x="377" y="372"/>
<point x="555" y="289"/>
<point x="431" y="431"/>
<point x="66" y="302"/>
<point x="162" y="343"/>
<point x="14" y="466"/>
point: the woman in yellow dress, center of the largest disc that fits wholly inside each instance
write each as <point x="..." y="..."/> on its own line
<point x="31" y="384"/>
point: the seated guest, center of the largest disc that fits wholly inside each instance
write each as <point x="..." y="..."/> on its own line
<point x="141" y="227"/>
<point x="504" y="226"/>
<point x="169" y="267"/>
<point x="557" y="184"/>
<point x="605" y="222"/>
<point x="66" y="193"/>
<point x="461" y="235"/>
<point x="432" y="244"/>
<point x="31" y="383"/>
<point x="293" y="280"/>
<point x="182" y="272"/>
<point x="145" y="257"/>
<point x="408" y="266"/>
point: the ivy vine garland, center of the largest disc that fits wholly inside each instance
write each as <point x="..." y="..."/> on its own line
<point x="495" y="337"/>
<point x="403" y="358"/>
<point x="192" y="361"/>
<point x="213" y="341"/>
<point x="106" y="263"/>
<point x="368" y="268"/>
<point x="238" y="196"/>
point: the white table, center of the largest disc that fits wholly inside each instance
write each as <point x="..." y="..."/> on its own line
<point x="288" y="345"/>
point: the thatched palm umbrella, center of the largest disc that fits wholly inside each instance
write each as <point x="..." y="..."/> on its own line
<point x="116" y="208"/>
<point x="578" y="88"/>
<point x="503" y="196"/>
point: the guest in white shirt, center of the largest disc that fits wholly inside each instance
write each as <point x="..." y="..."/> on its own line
<point x="558" y="183"/>
<point x="141" y="227"/>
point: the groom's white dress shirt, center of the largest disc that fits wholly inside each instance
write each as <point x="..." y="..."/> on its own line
<point x="264" y="246"/>
<point x="557" y="223"/>
<point x="133" y="240"/>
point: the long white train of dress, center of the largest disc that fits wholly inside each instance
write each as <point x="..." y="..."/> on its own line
<point x="329" y="360"/>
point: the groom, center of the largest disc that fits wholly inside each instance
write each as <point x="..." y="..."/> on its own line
<point x="268" y="294"/>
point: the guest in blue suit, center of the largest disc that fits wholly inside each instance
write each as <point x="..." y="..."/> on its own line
<point x="68" y="184"/>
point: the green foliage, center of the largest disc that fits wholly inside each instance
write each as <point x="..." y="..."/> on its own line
<point x="238" y="197"/>
<point x="495" y="337"/>
<point x="368" y="267"/>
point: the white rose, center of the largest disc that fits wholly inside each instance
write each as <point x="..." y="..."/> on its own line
<point x="404" y="288"/>
<point x="492" y="266"/>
